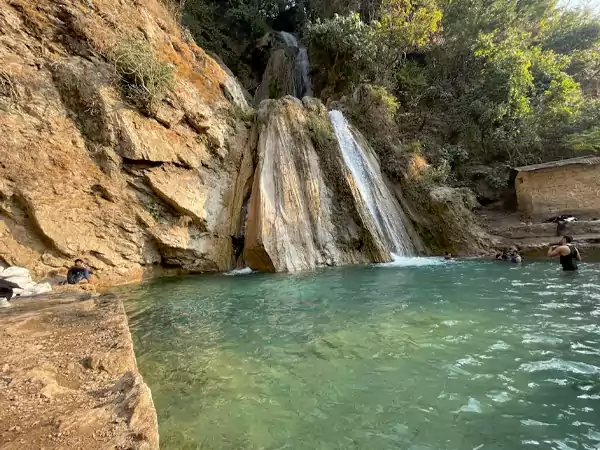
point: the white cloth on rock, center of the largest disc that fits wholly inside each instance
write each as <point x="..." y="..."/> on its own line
<point x="21" y="277"/>
<point x="14" y="271"/>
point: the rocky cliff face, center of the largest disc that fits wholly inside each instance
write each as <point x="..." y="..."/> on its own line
<point x="84" y="173"/>
<point x="304" y="209"/>
<point x="192" y="180"/>
<point x="279" y="76"/>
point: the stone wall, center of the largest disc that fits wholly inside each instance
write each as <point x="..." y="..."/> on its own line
<point x="569" y="189"/>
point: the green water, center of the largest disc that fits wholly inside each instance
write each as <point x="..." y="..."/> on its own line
<point x="462" y="355"/>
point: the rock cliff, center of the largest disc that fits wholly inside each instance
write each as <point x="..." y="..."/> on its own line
<point x="87" y="173"/>
<point x="125" y="144"/>
<point x="304" y="210"/>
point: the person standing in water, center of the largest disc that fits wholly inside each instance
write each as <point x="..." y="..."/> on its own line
<point x="568" y="253"/>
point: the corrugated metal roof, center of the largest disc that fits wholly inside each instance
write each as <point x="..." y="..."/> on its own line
<point x="587" y="160"/>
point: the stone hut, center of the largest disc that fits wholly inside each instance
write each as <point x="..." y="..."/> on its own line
<point x="569" y="186"/>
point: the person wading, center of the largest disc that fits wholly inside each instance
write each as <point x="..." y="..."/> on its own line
<point x="569" y="255"/>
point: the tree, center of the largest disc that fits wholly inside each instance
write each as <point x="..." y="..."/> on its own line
<point x="492" y="82"/>
<point x="408" y="24"/>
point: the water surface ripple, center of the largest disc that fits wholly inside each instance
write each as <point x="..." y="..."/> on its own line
<point x="463" y="355"/>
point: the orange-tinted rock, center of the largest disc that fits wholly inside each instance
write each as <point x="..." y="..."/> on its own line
<point x="83" y="173"/>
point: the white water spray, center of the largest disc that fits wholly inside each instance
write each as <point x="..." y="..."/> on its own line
<point x="379" y="200"/>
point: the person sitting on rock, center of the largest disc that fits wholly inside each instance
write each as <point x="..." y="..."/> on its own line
<point x="79" y="273"/>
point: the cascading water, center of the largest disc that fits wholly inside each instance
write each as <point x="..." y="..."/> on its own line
<point x="302" y="67"/>
<point x="378" y="198"/>
<point x="289" y="39"/>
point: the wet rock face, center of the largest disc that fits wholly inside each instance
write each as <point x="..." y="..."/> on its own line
<point x="278" y="79"/>
<point x="302" y="212"/>
<point x="287" y="69"/>
<point x="86" y="174"/>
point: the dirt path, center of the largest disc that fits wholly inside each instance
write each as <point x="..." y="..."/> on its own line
<point x="68" y="377"/>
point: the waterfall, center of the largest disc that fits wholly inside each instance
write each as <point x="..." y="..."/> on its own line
<point x="380" y="202"/>
<point x="289" y="39"/>
<point x="303" y="68"/>
<point x="303" y="82"/>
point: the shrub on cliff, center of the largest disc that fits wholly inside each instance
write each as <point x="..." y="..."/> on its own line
<point x="321" y="133"/>
<point x="144" y="78"/>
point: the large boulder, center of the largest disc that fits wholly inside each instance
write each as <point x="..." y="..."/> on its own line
<point x="305" y="210"/>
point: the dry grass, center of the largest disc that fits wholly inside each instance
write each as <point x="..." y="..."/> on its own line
<point x="8" y="89"/>
<point x="196" y="67"/>
<point x="144" y="77"/>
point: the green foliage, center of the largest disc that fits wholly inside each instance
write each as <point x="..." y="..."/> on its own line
<point x="506" y="74"/>
<point x="357" y="52"/>
<point x="408" y="24"/>
<point x="588" y="141"/>
<point x="347" y="47"/>
<point x="275" y="90"/>
<point x="373" y="110"/>
<point x="321" y="133"/>
<point x="434" y="175"/>
<point x="144" y="78"/>
<point x="491" y="83"/>
<point x="411" y="78"/>
<point x="572" y="30"/>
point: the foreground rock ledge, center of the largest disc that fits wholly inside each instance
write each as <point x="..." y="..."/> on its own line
<point x="68" y="377"/>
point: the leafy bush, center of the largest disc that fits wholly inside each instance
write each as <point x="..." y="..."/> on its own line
<point x="347" y="47"/>
<point x="144" y="78"/>
<point x="321" y="133"/>
<point x="432" y="176"/>
<point x="588" y="140"/>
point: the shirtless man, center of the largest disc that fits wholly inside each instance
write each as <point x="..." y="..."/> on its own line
<point x="569" y="255"/>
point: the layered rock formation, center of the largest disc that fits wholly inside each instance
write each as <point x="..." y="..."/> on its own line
<point x="305" y="210"/>
<point x="287" y="70"/>
<point x="86" y="174"/>
<point x="194" y="181"/>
